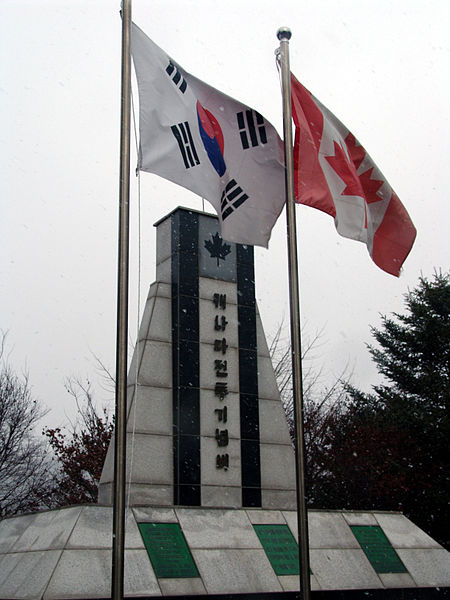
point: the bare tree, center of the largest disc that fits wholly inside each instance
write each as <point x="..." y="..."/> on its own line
<point x="24" y="464"/>
<point x="323" y="407"/>
<point x="80" y="449"/>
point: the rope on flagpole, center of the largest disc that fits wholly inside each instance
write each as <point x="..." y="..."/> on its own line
<point x="138" y="315"/>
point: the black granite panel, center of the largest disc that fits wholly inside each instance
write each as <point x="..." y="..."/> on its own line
<point x="188" y="364"/>
<point x="188" y="232"/>
<point x="184" y="232"/>
<point x="245" y="254"/>
<point x="247" y="327"/>
<point x="189" y="459"/>
<point x="189" y="411"/>
<point x="251" y="497"/>
<point x="188" y="275"/>
<point x="251" y="467"/>
<point x="189" y="495"/>
<point x="246" y="284"/>
<point x="249" y="411"/>
<point x="187" y="318"/>
<point x="248" y="371"/>
<point x="185" y="353"/>
<point x="248" y="378"/>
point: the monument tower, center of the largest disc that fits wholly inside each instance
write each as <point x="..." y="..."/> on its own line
<point x="205" y="426"/>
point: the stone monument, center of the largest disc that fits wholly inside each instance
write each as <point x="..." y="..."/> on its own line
<point x="210" y="466"/>
<point x="206" y="426"/>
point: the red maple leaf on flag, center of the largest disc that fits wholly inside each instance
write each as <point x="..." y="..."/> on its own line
<point x="346" y="168"/>
<point x="355" y="150"/>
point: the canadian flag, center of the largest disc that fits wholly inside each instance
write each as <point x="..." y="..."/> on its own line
<point x="335" y="174"/>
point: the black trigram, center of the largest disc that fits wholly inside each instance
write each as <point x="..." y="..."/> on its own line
<point x="183" y="136"/>
<point x="251" y="125"/>
<point x="232" y="197"/>
<point x="176" y="77"/>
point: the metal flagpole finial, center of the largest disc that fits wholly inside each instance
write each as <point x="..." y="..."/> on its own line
<point x="284" y="33"/>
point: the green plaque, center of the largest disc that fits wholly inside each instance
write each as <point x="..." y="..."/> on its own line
<point x="378" y="549"/>
<point x="280" y="547"/>
<point x="168" y="550"/>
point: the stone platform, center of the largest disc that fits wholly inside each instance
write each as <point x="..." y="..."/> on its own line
<point x="66" y="553"/>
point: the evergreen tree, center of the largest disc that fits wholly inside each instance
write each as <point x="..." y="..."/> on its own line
<point x="408" y="416"/>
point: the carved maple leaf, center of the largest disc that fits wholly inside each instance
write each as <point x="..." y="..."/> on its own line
<point x="217" y="248"/>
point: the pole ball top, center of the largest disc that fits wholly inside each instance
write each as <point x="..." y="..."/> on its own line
<point x="284" y="33"/>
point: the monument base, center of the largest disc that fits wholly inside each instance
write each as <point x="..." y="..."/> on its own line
<point x="222" y="553"/>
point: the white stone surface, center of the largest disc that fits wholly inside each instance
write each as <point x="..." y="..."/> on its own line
<point x="87" y="574"/>
<point x="151" y="410"/>
<point x="207" y="287"/>
<point x="267" y="385"/>
<point x="396" y="580"/>
<point x="207" y="314"/>
<point x="272" y="423"/>
<point x="223" y="543"/>
<point x="209" y="420"/>
<point x="330" y="530"/>
<point x="343" y="569"/>
<point x="208" y="375"/>
<point x="159" y="313"/>
<point x="152" y="458"/>
<point x="210" y="474"/>
<point x="146" y="316"/>
<point x="279" y="499"/>
<point x="11" y="529"/>
<point x="236" y="571"/>
<point x="265" y="517"/>
<point x="359" y="518"/>
<point x="25" y="575"/>
<point x="263" y="349"/>
<point x="163" y="290"/>
<point x="221" y="496"/>
<point x="48" y="530"/>
<point x="145" y="494"/>
<point x="94" y="529"/>
<point x="156" y="365"/>
<point x="428" y="567"/>
<point x="149" y="514"/>
<point x="107" y="475"/>
<point x="136" y="360"/>
<point x="277" y="466"/>
<point x="217" y="528"/>
<point x="291" y="583"/>
<point x="402" y="533"/>
<point x="163" y="240"/>
<point x="164" y="271"/>
<point x="150" y="494"/>
<point x="105" y="492"/>
<point x="185" y="587"/>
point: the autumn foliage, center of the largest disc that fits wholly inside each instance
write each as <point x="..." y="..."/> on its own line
<point x="79" y="453"/>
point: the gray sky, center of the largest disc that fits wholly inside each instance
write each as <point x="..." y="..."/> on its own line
<point x="382" y="68"/>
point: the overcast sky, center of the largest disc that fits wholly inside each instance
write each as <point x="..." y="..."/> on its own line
<point x="381" y="67"/>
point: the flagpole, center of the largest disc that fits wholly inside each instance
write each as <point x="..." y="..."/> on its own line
<point x="118" y="549"/>
<point x="284" y="35"/>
